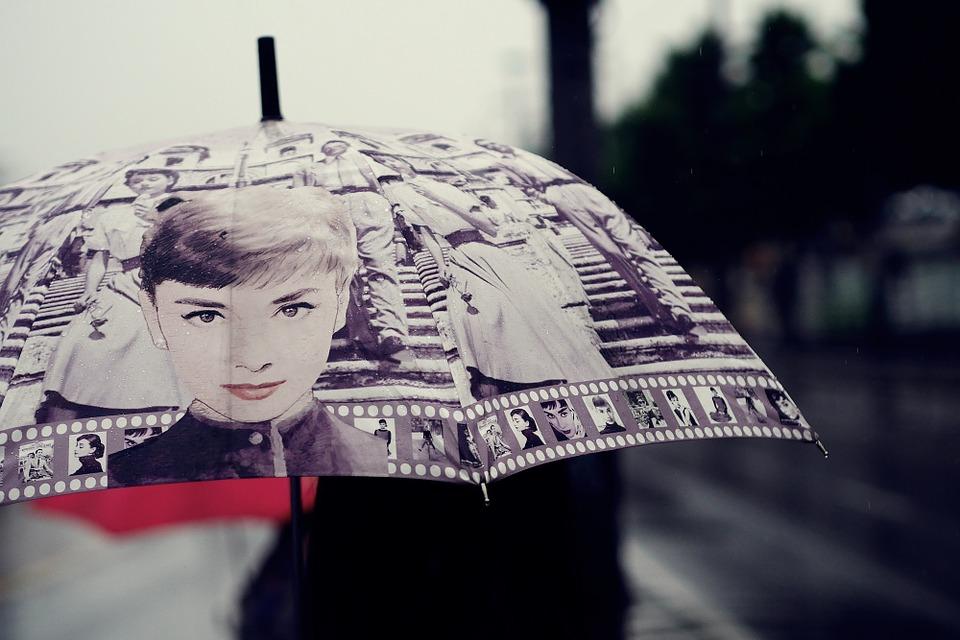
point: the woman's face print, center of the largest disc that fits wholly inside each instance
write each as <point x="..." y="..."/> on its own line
<point x="248" y="353"/>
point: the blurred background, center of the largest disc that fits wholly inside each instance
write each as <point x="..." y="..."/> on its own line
<point x="797" y="157"/>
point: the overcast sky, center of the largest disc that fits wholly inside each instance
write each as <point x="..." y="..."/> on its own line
<point x="80" y="77"/>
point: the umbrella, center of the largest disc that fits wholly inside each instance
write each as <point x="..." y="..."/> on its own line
<point x="304" y="299"/>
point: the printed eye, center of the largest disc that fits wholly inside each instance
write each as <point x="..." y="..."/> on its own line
<point x="203" y="316"/>
<point x="293" y="310"/>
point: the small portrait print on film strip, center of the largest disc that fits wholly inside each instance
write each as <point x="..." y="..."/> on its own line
<point x="36" y="461"/>
<point x="139" y="435"/>
<point x="383" y="428"/>
<point x="467" y="444"/>
<point x="715" y="405"/>
<point x="427" y="439"/>
<point x="604" y="414"/>
<point x="645" y="410"/>
<point x="492" y="434"/>
<point x="525" y="427"/>
<point x="680" y="409"/>
<point x="563" y="419"/>
<point x="86" y="454"/>
<point x="750" y="404"/>
<point x="787" y="412"/>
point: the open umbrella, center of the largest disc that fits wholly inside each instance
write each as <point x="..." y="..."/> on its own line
<point x="304" y="299"/>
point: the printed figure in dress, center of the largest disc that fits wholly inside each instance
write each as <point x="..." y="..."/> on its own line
<point x="607" y="416"/>
<point x="109" y="337"/>
<point x="383" y="432"/>
<point x="469" y="451"/>
<point x="524" y="424"/>
<point x="681" y="409"/>
<point x="247" y="318"/>
<point x="88" y="450"/>
<point x="750" y="403"/>
<point x="607" y="228"/>
<point x="721" y="411"/>
<point x="509" y="333"/>
<point x="563" y="419"/>
<point x="787" y="411"/>
<point x="344" y="173"/>
<point x="492" y="434"/>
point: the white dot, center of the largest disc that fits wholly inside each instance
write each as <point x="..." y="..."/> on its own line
<point x="103" y="481"/>
<point x="32" y="433"/>
<point x="521" y="462"/>
<point x="357" y="410"/>
<point x="633" y="383"/>
<point x="401" y="410"/>
<point x="476" y="477"/>
<point x="551" y="454"/>
<point x="502" y="466"/>
<point x="373" y="410"/>
<point x="583" y="388"/>
<point x="487" y="407"/>
<point x="479" y="409"/>
<point x="691" y="380"/>
<point x="660" y="436"/>
<point x="511" y="464"/>
<point x="391" y="467"/>
<point x="343" y="410"/>
<point x="496" y="403"/>
<point x="554" y="393"/>
<point x="121" y="423"/>
<point x="701" y="379"/>
<point x="464" y="475"/>
<point x="470" y="414"/>
<point x="535" y="395"/>
<point x="450" y="472"/>
<point x="59" y="486"/>
<point x="524" y="398"/>
<point x="180" y="414"/>
<point x="420" y="470"/>
<point x="671" y="435"/>
<point x="621" y="441"/>
<point x="16" y="436"/>
<point x="688" y="432"/>
<point x="3" y="438"/>
<point x="458" y="415"/>
<point x="699" y="432"/>
<point x="767" y="432"/>
<point x="13" y="494"/>
<point x="561" y="450"/>
<point x="582" y="448"/>
<point x="540" y="456"/>
<point x="631" y="439"/>
<point x="150" y="420"/>
<point x="29" y="491"/>
<point x="751" y="381"/>
<point x="757" y="431"/>
<point x="737" y="430"/>
<point x="604" y="387"/>
<point x="662" y="381"/>
<point x="531" y="458"/>
<point x="777" y="433"/>
<point x="45" y="489"/>
<point x="796" y="434"/>
<point x="415" y="410"/>
<point x="405" y="468"/>
<point x="74" y="484"/>
<point x="594" y="388"/>
<point x="807" y="435"/>
<point x="643" y="383"/>
<point x="90" y="483"/>
<point x="136" y="421"/>
<point x="601" y="444"/>
<point x="444" y="413"/>
<point x="430" y="411"/>
<point x="679" y="434"/>
<point x="564" y="391"/>
<point x="388" y="410"/>
<point x="494" y="473"/>
<point x="763" y="382"/>
<point x="1" y="496"/>
<point x="711" y="379"/>
<point x="650" y="437"/>
<point x="727" y="431"/>
<point x="435" y="470"/>
<point x="741" y="381"/>
<point x="591" y="445"/>
<point x="166" y="418"/>
<point x="653" y="382"/>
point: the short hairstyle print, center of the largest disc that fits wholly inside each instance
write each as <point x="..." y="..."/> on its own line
<point x="253" y="235"/>
<point x="556" y="405"/>
<point x="95" y="443"/>
<point x="599" y="401"/>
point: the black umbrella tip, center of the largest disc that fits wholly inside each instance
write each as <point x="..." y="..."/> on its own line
<point x="269" y="89"/>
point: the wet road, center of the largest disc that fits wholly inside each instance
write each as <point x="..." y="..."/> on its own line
<point x="744" y="539"/>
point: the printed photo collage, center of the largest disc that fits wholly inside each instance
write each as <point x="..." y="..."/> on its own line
<point x="477" y="444"/>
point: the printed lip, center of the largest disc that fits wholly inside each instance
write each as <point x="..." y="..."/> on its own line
<point x="253" y="391"/>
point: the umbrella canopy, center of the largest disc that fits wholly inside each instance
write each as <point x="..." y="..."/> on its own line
<point x="303" y="299"/>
